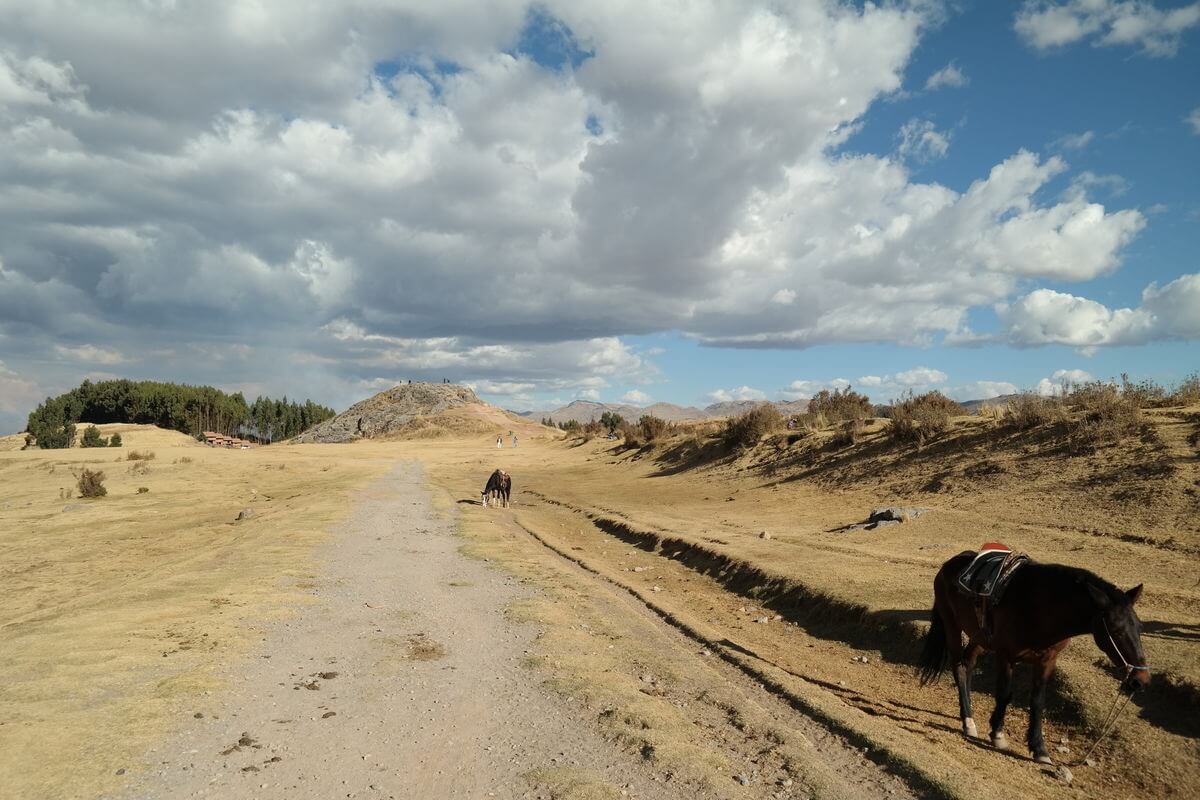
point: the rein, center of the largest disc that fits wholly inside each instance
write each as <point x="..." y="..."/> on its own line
<point x="1118" y="706"/>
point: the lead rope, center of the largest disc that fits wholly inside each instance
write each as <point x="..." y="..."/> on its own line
<point x="1110" y="722"/>
<point x="1110" y="719"/>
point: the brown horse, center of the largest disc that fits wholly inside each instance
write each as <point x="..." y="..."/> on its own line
<point x="498" y="488"/>
<point x="1043" y="607"/>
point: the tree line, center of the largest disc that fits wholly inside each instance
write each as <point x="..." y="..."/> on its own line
<point x="182" y="407"/>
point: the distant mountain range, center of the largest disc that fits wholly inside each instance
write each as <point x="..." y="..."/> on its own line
<point x="588" y="410"/>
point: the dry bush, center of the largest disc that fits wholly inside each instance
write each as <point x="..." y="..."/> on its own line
<point x="1143" y="394"/>
<point x="139" y="468"/>
<point x="741" y="433"/>
<point x="91" y="484"/>
<point x="143" y="489"/>
<point x="139" y="455"/>
<point x="653" y="428"/>
<point x="1105" y="413"/>
<point x="919" y="418"/>
<point x="840" y="405"/>
<point x="631" y="434"/>
<point x="1029" y="410"/>
<point x="185" y="459"/>
<point x="592" y="428"/>
<point x="1186" y="393"/>
<point x="848" y="433"/>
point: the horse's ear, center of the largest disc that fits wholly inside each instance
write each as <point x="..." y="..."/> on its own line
<point x="1099" y="595"/>
<point x="1134" y="593"/>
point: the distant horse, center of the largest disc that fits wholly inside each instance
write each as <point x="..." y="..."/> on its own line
<point x="499" y="486"/>
<point x="1043" y="606"/>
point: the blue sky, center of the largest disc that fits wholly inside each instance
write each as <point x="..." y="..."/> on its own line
<point x="602" y="200"/>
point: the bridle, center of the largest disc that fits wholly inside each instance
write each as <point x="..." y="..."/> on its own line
<point x="1114" y="713"/>
<point x="1129" y="668"/>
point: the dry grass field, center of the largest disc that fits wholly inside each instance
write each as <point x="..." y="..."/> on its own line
<point x="117" y="611"/>
<point x="680" y="527"/>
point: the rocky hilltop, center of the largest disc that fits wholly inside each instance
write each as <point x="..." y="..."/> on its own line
<point x="390" y="412"/>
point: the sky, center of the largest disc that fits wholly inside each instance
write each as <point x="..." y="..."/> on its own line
<point x="623" y="201"/>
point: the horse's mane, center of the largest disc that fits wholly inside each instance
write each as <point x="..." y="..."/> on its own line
<point x="1079" y="575"/>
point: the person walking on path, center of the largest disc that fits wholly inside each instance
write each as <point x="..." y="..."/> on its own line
<point x="499" y="442"/>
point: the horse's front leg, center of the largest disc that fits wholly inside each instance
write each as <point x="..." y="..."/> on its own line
<point x="1037" y="703"/>
<point x="1004" y="672"/>
<point x="962" y="679"/>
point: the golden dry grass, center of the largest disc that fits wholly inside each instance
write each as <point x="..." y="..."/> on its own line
<point x="115" y="611"/>
<point x="1127" y="512"/>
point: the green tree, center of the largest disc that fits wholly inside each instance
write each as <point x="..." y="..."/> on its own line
<point x="92" y="438"/>
<point x="611" y="420"/>
<point x="114" y="440"/>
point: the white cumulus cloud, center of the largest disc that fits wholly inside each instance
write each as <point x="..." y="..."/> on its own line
<point x="637" y="397"/>
<point x="1045" y="24"/>
<point x="740" y="393"/>
<point x="1046" y="316"/>
<point x="948" y="76"/>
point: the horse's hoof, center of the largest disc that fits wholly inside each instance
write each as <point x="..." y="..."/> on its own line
<point x="1000" y="741"/>
<point x="969" y="729"/>
<point x="1044" y="760"/>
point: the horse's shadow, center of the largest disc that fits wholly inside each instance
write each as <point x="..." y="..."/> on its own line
<point x="470" y="501"/>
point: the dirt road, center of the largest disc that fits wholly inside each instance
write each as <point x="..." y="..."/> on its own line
<point x="407" y="678"/>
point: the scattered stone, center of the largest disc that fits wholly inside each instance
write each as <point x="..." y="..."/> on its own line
<point x="743" y="779"/>
<point x="890" y="515"/>
<point x="764" y="535"/>
<point x="328" y="714"/>
<point x="639" y="569"/>
<point x="705" y="652"/>
<point x="245" y="513"/>
<point x="656" y="588"/>
<point x="763" y="620"/>
<point x="1089" y="762"/>
<point x="121" y="771"/>
<point x="786" y="782"/>
<point x="1063" y="773"/>
<point x="1062" y="748"/>
<point x="198" y="715"/>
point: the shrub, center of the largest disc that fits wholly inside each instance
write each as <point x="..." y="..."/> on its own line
<point x="188" y="460"/>
<point x="847" y="432"/>
<point x="632" y="434"/>
<point x="92" y="438"/>
<point x="839" y="405"/>
<point x="919" y="418"/>
<point x="1144" y="394"/>
<point x="91" y="484"/>
<point x="570" y="426"/>
<point x="652" y="428"/>
<point x="611" y="420"/>
<point x="744" y="432"/>
<point x="592" y="428"/>
<point x="114" y="440"/>
<point x="1106" y="413"/>
<point x="1186" y="393"/>
<point x="1029" y="410"/>
<point x="139" y="455"/>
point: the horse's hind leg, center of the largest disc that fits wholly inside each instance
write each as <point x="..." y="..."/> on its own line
<point x="963" y="667"/>
<point x="1037" y="703"/>
<point x="1004" y="672"/>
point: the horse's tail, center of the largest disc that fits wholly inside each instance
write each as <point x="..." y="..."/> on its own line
<point x="934" y="655"/>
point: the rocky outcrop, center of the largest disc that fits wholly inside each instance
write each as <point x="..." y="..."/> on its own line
<point x="389" y="411"/>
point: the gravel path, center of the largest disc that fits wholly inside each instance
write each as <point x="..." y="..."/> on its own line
<point x="403" y="680"/>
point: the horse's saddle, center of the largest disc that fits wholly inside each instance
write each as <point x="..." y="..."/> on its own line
<point x="987" y="576"/>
